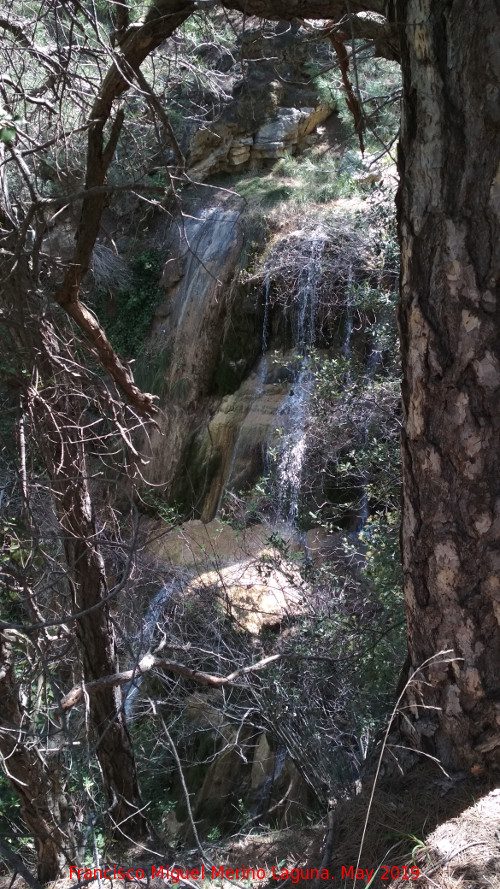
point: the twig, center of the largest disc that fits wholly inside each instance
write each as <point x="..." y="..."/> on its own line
<point x="415" y="673"/>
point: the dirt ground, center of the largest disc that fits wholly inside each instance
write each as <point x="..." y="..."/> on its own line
<point x="423" y="830"/>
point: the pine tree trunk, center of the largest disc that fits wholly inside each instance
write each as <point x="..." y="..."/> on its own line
<point x="449" y="217"/>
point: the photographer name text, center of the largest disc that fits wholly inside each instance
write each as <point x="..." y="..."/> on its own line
<point x="294" y="875"/>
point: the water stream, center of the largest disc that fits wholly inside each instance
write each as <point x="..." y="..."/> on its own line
<point x="264" y="791"/>
<point x="141" y="642"/>
<point x="292" y="416"/>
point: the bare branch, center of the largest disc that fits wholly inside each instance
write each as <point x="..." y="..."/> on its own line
<point x="155" y="104"/>
<point x="162" y="19"/>
<point x="150" y="662"/>
<point x="18" y="866"/>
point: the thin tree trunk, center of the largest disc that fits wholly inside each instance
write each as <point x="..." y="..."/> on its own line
<point x="449" y="218"/>
<point x="33" y="773"/>
<point x="64" y="455"/>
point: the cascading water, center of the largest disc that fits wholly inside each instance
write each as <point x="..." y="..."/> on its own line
<point x="142" y="640"/>
<point x="264" y="791"/>
<point x="265" y="322"/>
<point x="292" y="415"/>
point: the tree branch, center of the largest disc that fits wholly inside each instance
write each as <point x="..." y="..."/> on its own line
<point x="163" y="17"/>
<point x="16" y="29"/>
<point x="143" y="402"/>
<point x="149" y="662"/>
<point x="313" y="9"/>
<point x="18" y="865"/>
<point x="352" y="101"/>
<point x="157" y="106"/>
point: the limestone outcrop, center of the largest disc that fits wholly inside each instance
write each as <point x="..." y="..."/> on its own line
<point x="274" y="107"/>
<point x="228" y="147"/>
<point x="257" y="586"/>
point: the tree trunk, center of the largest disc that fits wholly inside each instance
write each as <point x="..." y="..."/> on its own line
<point x="449" y="218"/>
<point x="33" y="773"/>
<point x="63" y="444"/>
<point x="97" y="644"/>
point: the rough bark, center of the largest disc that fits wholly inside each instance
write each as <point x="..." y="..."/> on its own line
<point x="449" y="218"/>
<point x="33" y="773"/>
<point x="311" y="9"/>
<point x="364" y="21"/>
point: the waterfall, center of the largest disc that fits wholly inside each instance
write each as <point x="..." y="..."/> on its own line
<point x="143" y="638"/>
<point x="293" y="416"/>
<point x="262" y="797"/>
<point x="265" y="322"/>
<point x="293" y="413"/>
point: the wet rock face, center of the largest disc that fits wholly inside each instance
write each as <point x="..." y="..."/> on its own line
<point x="206" y="254"/>
<point x="259" y="589"/>
<point x="208" y="329"/>
<point x="193" y="324"/>
<point x="274" y="107"/>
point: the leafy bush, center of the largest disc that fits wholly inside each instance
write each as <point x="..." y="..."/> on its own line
<point x="127" y="313"/>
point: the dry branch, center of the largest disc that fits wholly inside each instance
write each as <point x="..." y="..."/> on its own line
<point x="161" y="21"/>
<point x="147" y="663"/>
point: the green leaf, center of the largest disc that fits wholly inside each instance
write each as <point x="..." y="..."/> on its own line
<point x="7" y="134"/>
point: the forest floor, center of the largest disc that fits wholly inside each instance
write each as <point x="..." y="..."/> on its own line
<point x="423" y="830"/>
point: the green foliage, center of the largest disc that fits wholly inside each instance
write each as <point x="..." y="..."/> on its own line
<point x="263" y="190"/>
<point x="201" y="29"/>
<point x="305" y="182"/>
<point x="382" y="565"/>
<point x="8" y="122"/>
<point x="326" y="82"/>
<point x="380" y="89"/>
<point x="130" y="322"/>
<point x="153" y="504"/>
<point x="378" y="84"/>
<point x="317" y="179"/>
<point x="9" y="816"/>
<point x="245" y="508"/>
<point x="214" y="834"/>
<point x="358" y="621"/>
<point x="380" y="641"/>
